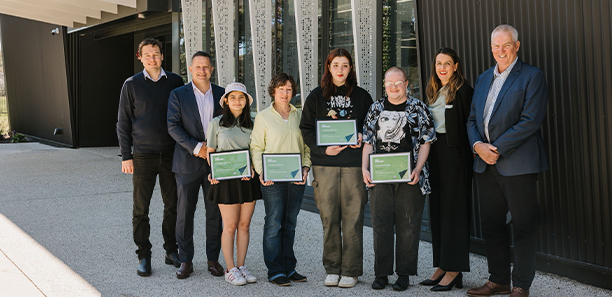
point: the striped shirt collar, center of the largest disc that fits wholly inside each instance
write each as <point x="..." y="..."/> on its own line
<point x="507" y="71"/>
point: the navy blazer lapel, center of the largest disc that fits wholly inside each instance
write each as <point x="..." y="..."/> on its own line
<point x="507" y="84"/>
<point x="192" y="105"/>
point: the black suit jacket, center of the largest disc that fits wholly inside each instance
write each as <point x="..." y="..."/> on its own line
<point x="185" y="126"/>
<point x="456" y="115"/>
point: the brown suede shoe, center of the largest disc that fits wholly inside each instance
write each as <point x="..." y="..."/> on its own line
<point x="519" y="292"/>
<point x="185" y="270"/>
<point x="215" y="268"/>
<point x="488" y="289"/>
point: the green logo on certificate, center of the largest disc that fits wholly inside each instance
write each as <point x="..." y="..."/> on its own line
<point x="390" y="168"/>
<point x="282" y="167"/>
<point x="336" y="132"/>
<point x="230" y="165"/>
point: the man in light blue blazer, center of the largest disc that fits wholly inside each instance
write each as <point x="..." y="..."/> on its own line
<point x="190" y="109"/>
<point x="508" y="108"/>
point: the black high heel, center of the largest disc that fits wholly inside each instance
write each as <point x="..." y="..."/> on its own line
<point x="430" y="282"/>
<point x="457" y="282"/>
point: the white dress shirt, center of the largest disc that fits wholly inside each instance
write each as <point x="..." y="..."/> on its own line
<point x="206" y="108"/>
<point x="496" y="86"/>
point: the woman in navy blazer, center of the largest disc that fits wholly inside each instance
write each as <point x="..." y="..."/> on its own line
<point x="450" y="161"/>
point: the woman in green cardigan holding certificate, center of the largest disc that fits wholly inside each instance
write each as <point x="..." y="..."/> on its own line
<point x="236" y="197"/>
<point x="277" y="131"/>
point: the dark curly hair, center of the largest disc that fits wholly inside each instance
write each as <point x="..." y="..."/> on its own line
<point x="280" y="80"/>
<point x="150" y="41"/>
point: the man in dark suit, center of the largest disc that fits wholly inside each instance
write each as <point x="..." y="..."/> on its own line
<point x="190" y="108"/>
<point x="508" y="109"/>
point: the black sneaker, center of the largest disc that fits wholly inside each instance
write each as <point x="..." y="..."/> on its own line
<point x="401" y="284"/>
<point x="380" y="283"/>
<point x="296" y="277"/>
<point x="281" y="281"/>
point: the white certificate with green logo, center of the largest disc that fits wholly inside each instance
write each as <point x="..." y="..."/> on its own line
<point x="282" y="167"/>
<point x="230" y="165"/>
<point x="390" y="168"/>
<point x="336" y="132"/>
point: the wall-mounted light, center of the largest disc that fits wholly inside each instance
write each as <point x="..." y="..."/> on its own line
<point x="55" y="31"/>
<point x="58" y="131"/>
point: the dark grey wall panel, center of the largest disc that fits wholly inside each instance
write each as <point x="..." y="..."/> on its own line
<point x="103" y="67"/>
<point x="36" y="84"/>
<point x="570" y="41"/>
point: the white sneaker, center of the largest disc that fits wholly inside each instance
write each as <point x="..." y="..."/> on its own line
<point x="234" y="277"/>
<point x="247" y="275"/>
<point x="347" y="282"/>
<point x="332" y="280"/>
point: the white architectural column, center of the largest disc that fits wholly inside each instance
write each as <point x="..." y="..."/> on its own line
<point x="261" y="14"/>
<point x="192" y="27"/>
<point x="223" y="20"/>
<point x="364" y="37"/>
<point x="307" y="23"/>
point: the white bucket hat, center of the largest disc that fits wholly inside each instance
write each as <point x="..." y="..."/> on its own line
<point x="235" y="86"/>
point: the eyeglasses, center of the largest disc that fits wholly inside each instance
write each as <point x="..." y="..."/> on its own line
<point x="397" y="83"/>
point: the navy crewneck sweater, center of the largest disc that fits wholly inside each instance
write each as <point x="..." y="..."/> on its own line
<point x="142" y="118"/>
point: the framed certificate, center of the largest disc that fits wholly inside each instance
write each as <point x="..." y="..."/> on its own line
<point x="282" y="167"/>
<point x="390" y="168"/>
<point x="336" y="132"/>
<point x="230" y="165"/>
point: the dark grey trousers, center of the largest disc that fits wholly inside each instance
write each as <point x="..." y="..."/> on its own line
<point x="341" y="197"/>
<point x="399" y="207"/>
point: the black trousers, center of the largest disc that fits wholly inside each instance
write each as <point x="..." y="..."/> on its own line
<point x="146" y="169"/>
<point x="499" y="194"/>
<point x="399" y="207"/>
<point x="450" y="175"/>
<point x="188" y="190"/>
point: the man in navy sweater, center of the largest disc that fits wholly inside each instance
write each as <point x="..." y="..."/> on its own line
<point x="142" y="124"/>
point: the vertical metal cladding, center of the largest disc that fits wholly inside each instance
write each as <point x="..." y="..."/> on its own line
<point x="571" y="42"/>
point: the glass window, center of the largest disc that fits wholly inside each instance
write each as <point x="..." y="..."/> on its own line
<point x="341" y="27"/>
<point x="246" y="70"/>
<point x="399" y="40"/>
<point x="285" y="45"/>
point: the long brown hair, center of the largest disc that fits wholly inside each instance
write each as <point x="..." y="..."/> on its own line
<point x="456" y="81"/>
<point x="327" y="84"/>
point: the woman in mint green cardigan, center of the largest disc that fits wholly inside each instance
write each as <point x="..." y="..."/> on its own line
<point x="277" y="130"/>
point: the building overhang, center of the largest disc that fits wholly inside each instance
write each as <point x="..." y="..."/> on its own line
<point x="78" y="13"/>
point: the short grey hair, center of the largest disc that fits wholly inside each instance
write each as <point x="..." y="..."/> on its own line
<point x="505" y="28"/>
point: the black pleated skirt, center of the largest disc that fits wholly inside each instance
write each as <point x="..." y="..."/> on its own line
<point x="235" y="191"/>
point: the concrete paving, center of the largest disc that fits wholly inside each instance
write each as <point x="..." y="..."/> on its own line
<point x="65" y="230"/>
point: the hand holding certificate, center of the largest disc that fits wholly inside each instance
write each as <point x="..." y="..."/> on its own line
<point x="390" y="168"/>
<point x="282" y="167"/>
<point x="337" y="132"/>
<point x="230" y="165"/>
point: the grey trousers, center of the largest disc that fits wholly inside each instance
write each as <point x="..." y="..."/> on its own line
<point x="340" y="196"/>
<point x="399" y="207"/>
